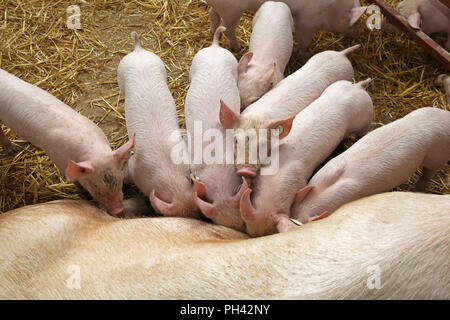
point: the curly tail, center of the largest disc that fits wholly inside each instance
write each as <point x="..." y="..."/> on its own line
<point x="351" y="49"/>
<point x="364" y="82"/>
<point x="135" y="36"/>
<point x="217" y="33"/>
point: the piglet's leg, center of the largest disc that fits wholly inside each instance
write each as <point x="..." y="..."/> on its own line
<point x="304" y="36"/>
<point x="230" y="22"/>
<point x="427" y="174"/>
<point x="215" y="20"/>
<point x="6" y="144"/>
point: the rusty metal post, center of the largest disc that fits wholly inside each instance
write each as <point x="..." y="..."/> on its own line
<point x="419" y="36"/>
<point x="446" y="2"/>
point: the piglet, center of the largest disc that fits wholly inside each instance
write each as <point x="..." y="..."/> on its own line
<point x="443" y="81"/>
<point x="213" y="77"/>
<point x="270" y="49"/>
<point x="342" y="109"/>
<point x="332" y="15"/>
<point x="75" y="144"/>
<point x="428" y="15"/>
<point x="151" y="116"/>
<point x="278" y="107"/>
<point x="380" y="161"/>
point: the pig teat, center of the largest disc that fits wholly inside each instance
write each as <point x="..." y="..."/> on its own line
<point x="284" y="223"/>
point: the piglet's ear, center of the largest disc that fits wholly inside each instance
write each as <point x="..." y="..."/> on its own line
<point x="198" y="187"/>
<point x="228" y="118"/>
<point x="244" y="62"/>
<point x="236" y="199"/>
<point x="248" y="212"/>
<point x="124" y="152"/>
<point x="440" y="80"/>
<point x="415" y="20"/>
<point x="356" y="13"/>
<point x="321" y="216"/>
<point x="75" y="171"/>
<point x="208" y="209"/>
<point x="301" y="195"/>
<point x="283" y="125"/>
<point x="166" y="209"/>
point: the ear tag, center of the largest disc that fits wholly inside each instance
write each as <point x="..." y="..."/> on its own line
<point x="296" y="222"/>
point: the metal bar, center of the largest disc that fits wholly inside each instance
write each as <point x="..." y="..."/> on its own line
<point x="419" y="36"/>
<point x="446" y="2"/>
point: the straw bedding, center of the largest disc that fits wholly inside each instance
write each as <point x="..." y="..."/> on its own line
<point x="79" y="67"/>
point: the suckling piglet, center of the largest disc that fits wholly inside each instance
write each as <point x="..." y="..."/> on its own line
<point x="271" y="43"/>
<point x="213" y="77"/>
<point x="443" y="81"/>
<point x="342" y="109"/>
<point x="151" y="115"/>
<point x="278" y="107"/>
<point x="75" y="144"/>
<point x="428" y="15"/>
<point x="331" y="15"/>
<point x="380" y="161"/>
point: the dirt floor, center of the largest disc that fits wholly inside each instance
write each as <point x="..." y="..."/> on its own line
<point x="80" y="68"/>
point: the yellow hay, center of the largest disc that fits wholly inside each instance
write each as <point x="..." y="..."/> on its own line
<point x="79" y="67"/>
